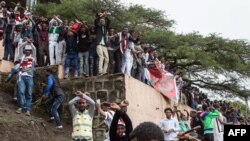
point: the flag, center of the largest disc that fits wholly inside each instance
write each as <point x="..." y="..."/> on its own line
<point x="163" y="82"/>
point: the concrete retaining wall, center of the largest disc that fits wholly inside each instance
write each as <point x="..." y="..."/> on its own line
<point x="146" y="104"/>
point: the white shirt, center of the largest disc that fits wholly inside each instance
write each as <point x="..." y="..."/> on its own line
<point x="167" y="124"/>
<point x="102" y="41"/>
<point x="1" y="12"/>
<point x="145" y="56"/>
<point x="108" y="120"/>
<point x="218" y="127"/>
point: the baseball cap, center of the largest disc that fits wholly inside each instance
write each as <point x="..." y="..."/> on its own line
<point x="121" y="122"/>
<point x="28" y="47"/>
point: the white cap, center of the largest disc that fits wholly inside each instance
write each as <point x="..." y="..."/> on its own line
<point x="3" y="2"/>
<point x="199" y="106"/>
<point x="28" y="47"/>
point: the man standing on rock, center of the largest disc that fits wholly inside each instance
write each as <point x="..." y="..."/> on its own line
<point x="82" y="117"/>
<point x="25" y="83"/>
<point x="56" y="99"/>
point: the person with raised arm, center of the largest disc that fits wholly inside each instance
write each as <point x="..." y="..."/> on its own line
<point x="121" y="125"/>
<point x="82" y="116"/>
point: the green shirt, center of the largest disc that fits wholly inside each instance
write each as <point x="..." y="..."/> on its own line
<point x="184" y="126"/>
<point x="54" y="30"/>
<point x="207" y="119"/>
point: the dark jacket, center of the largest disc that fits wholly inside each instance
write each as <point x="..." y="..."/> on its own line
<point x="56" y="88"/>
<point x="62" y="32"/>
<point x="101" y="31"/>
<point x="43" y="38"/>
<point x="84" y="41"/>
<point x="71" y="44"/>
<point x="196" y="121"/>
<point x="113" y="127"/>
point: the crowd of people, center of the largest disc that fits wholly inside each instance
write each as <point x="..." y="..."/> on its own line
<point x="94" y="49"/>
<point x="205" y="123"/>
<point x="99" y="49"/>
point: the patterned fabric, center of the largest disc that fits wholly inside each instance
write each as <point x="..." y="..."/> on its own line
<point x="18" y="20"/>
<point x="82" y="125"/>
<point x="27" y="66"/>
<point x="163" y="82"/>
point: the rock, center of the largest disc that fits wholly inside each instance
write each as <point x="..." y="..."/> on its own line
<point x="5" y="66"/>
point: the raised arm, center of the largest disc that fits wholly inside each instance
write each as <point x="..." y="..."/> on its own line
<point x="128" y="123"/>
<point x="51" y="21"/>
<point x="35" y="27"/>
<point x="20" y="49"/>
<point x="91" y="103"/>
<point x="72" y="107"/>
<point x="177" y="113"/>
<point x="97" y="20"/>
<point x="113" y="127"/>
<point x="214" y="114"/>
<point x="220" y="119"/>
<point x="60" y="22"/>
<point x="224" y="123"/>
<point x="100" y="109"/>
<point x="34" y="52"/>
<point x="187" y="113"/>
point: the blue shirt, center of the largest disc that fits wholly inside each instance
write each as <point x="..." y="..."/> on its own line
<point x="49" y="85"/>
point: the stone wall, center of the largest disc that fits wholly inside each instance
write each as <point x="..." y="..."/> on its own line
<point x="106" y="88"/>
<point x="146" y="104"/>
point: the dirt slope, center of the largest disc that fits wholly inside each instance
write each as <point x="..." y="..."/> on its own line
<point x="19" y="127"/>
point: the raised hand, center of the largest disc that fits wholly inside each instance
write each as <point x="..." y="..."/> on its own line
<point x="124" y="103"/>
<point x="115" y="106"/>
<point x="78" y="93"/>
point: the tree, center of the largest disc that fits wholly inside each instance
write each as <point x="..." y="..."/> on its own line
<point x="52" y="1"/>
<point x="240" y="106"/>
<point x="208" y="58"/>
<point x="13" y="3"/>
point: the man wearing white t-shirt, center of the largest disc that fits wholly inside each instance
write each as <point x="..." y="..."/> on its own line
<point x="169" y="126"/>
<point x="108" y="114"/>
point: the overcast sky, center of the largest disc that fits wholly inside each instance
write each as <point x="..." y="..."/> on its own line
<point x="230" y="18"/>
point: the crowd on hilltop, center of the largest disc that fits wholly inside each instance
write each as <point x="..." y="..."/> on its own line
<point x="95" y="50"/>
